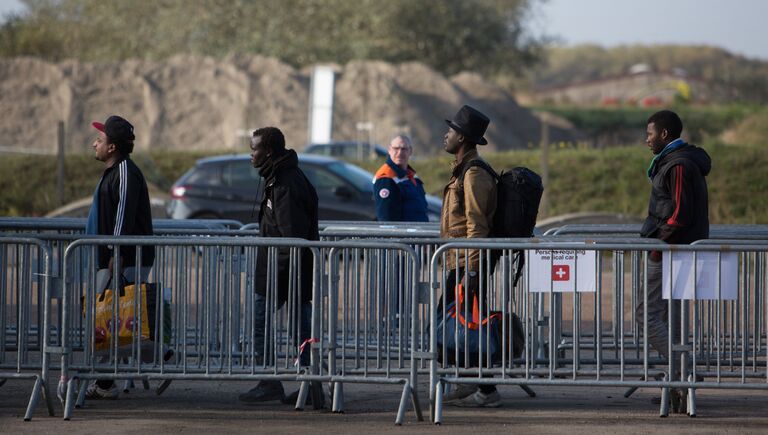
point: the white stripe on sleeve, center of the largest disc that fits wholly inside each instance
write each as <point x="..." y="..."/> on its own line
<point x="120" y="217"/>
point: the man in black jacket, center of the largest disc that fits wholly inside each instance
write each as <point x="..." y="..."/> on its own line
<point x="120" y="207"/>
<point x="288" y="209"/>
<point x="678" y="213"/>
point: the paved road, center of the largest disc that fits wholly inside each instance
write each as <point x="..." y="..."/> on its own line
<point x="200" y="407"/>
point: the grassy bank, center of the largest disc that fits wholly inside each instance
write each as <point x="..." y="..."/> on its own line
<point x="613" y="180"/>
<point x="702" y="123"/>
<point x="581" y="180"/>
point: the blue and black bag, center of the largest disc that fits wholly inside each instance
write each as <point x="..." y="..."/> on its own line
<point x="480" y="336"/>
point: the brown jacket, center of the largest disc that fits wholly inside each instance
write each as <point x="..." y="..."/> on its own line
<point x="468" y="211"/>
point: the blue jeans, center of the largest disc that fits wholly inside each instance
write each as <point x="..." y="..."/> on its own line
<point x="263" y="331"/>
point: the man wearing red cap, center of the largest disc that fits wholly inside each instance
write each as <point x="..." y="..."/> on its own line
<point x="120" y="207"/>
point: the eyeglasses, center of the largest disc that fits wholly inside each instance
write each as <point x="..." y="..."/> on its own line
<point x="396" y="149"/>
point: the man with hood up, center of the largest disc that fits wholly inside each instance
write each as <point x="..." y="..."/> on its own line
<point x="678" y="213"/>
<point x="288" y="209"/>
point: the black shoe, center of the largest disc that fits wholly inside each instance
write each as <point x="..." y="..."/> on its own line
<point x="679" y="399"/>
<point x="315" y="390"/>
<point x="264" y="392"/>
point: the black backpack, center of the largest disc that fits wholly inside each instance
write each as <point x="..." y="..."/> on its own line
<point x="518" y="193"/>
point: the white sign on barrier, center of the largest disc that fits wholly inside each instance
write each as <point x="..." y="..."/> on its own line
<point x="707" y="271"/>
<point x="561" y="270"/>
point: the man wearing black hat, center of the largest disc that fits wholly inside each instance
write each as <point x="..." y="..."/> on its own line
<point x="469" y="203"/>
<point x="120" y="207"/>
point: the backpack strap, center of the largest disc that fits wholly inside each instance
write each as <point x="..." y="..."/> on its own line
<point x="460" y="180"/>
<point x="519" y="258"/>
<point x="476" y="162"/>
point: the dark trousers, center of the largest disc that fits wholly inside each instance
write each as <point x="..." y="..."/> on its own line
<point x="659" y="315"/>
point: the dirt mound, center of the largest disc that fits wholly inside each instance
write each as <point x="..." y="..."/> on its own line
<point x="190" y="102"/>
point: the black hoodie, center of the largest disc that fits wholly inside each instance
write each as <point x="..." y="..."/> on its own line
<point x="678" y="210"/>
<point x="288" y="209"/>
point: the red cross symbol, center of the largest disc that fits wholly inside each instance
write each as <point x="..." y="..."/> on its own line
<point x="561" y="272"/>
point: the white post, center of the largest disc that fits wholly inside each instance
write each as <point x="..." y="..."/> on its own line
<point x="321" y="89"/>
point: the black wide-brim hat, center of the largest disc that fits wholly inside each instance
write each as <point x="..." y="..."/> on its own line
<point x="471" y="123"/>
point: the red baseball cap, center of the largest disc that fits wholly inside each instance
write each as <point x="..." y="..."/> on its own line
<point x="116" y="128"/>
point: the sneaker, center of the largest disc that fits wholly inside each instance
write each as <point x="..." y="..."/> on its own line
<point x="264" y="392"/>
<point x="61" y="390"/>
<point x="480" y="400"/>
<point x="459" y="392"/>
<point x="97" y="393"/>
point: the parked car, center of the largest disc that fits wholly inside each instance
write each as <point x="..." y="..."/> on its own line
<point x="226" y="187"/>
<point x="348" y="150"/>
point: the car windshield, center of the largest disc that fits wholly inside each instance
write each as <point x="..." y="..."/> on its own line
<point x="360" y="178"/>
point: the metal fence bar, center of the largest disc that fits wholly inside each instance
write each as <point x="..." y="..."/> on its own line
<point x="24" y="315"/>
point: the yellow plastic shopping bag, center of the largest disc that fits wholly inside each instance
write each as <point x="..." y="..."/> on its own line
<point x="126" y="319"/>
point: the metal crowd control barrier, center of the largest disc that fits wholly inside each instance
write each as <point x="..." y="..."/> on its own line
<point x="24" y="313"/>
<point x="57" y="233"/>
<point x="373" y="316"/>
<point x="720" y="336"/>
<point x="365" y="225"/>
<point x="423" y="238"/>
<point x="213" y="317"/>
<point x="77" y="225"/>
<point x="740" y="232"/>
<point x="722" y="234"/>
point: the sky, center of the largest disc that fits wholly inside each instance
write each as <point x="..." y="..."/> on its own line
<point x="740" y="26"/>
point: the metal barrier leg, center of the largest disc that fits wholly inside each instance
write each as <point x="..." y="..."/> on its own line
<point x="145" y="384"/>
<point x="47" y="397"/>
<point x="81" y="394"/>
<point x="338" y="398"/>
<point x="127" y="385"/>
<point x="34" y="398"/>
<point x="630" y="392"/>
<point x="301" y="401"/>
<point x="664" y="407"/>
<point x="692" y="402"/>
<point x="416" y="404"/>
<point x="691" y="399"/>
<point x="69" y="402"/>
<point x="403" y="404"/>
<point x="438" y="403"/>
<point x="162" y="387"/>
<point x="528" y="390"/>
